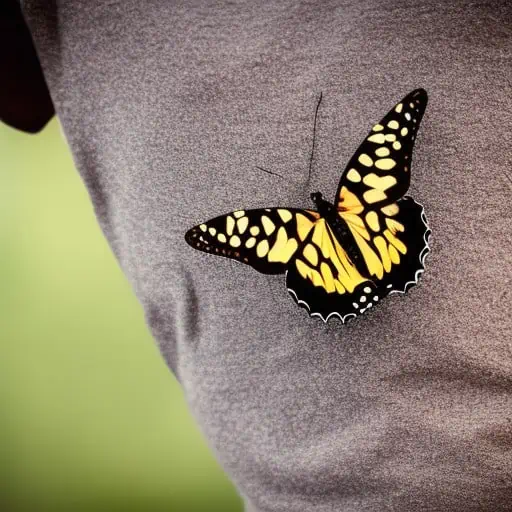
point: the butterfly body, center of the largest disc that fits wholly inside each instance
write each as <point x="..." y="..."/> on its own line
<point x="339" y="227"/>
<point x="346" y="256"/>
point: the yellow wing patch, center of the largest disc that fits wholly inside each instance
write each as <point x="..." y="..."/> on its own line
<point x="325" y="263"/>
<point x="375" y="232"/>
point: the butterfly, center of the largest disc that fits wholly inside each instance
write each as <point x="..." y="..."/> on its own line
<point x="343" y="258"/>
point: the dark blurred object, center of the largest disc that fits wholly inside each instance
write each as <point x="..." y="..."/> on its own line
<point x="25" y="101"/>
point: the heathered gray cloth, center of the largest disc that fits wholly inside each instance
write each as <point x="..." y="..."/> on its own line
<point x="169" y="107"/>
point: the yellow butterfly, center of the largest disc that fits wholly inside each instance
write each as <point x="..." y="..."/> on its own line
<point x="348" y="255"/>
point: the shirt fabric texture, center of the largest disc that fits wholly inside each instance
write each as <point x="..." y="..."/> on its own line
<point x="169" y="107"/>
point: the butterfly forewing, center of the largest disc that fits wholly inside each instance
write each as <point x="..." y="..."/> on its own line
<point x="374" y="181"/>
<point x="265" y="239"/>
<point x="379" y="171"/>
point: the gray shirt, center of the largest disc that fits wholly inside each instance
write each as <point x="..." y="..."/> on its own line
<point x="169" y="107"/>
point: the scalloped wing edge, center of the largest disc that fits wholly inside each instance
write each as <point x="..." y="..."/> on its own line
<point x="423" y="254"/>
<point x="422" y="257"/>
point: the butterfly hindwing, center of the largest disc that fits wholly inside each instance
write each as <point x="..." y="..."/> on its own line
<point x="325" y="281"/>
<point x="322" y="278"/>
<point x="266" y="239"/>
<point x="405" y="252"/>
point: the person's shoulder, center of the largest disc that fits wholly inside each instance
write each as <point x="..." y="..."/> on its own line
<point x="25" y="101"/>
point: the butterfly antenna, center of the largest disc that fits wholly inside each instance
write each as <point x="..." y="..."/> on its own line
<point x="314" y="138"/>
<point x="269" y="172"/>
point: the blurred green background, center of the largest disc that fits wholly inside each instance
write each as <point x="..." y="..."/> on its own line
<point x="90" y="417"/>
